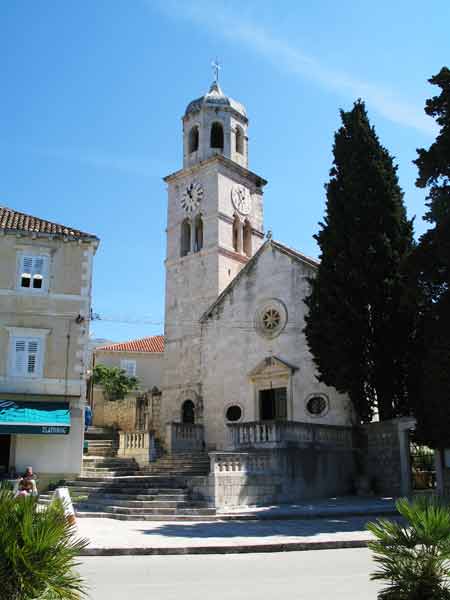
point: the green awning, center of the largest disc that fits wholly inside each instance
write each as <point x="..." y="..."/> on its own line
<point x="43" y="418"/>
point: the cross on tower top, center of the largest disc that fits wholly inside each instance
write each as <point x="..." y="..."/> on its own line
<point x="216" y="66"/>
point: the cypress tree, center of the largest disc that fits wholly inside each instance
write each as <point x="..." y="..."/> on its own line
<point x="357" y="329"/>
<point x="430" y="372"/>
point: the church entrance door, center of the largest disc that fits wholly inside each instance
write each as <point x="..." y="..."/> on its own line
<point x="273" y="404"/>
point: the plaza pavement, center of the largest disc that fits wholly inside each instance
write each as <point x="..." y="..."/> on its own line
<point x="327" y="575"/>
<point x="272" y="529"/>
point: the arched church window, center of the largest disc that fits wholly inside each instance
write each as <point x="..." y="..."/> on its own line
<point x="247" y="239"/>
<point x="217" y="136"/>
<point x="185" y="237"/>
<point x="188" y="412"/>
<point x="239" y="140"/>
<point x="236" y="232"/>
<point x="198" y="238"/>
<point x="193" y="139"/>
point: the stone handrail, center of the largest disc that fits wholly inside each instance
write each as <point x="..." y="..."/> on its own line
<point x="133" y="440"/>
<point x="139" y="445"/>
<point x="182" y="437"/>
<point x="229" y="463"/>
<point x="257" y="434"/>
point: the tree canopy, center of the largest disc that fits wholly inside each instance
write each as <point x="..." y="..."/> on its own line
<point x="115" y="382"/>
<point x="356" y="328"/>
<point x="430" y="373"/>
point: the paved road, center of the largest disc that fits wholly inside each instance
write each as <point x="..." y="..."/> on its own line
<point x="313" y="575"/>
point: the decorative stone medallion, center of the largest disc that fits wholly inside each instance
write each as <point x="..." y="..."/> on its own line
<point x="241" y="199"/>
<point x="192" y="196"/>
<point x="271" y="318"/>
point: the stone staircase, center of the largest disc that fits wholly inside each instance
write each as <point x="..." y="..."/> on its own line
<point x="114" y="487"/>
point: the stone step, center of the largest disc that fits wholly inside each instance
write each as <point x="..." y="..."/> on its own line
<point x="96" y="433"/>
<point x="139" y="512"/>
<point x="114" y="501"/>
<point x="126" y="479"/>
<point x="122" y="517"/>
<point x="102" y="443"/>
<point x="95" y="472"/>
<point x="126" y="491"/>
<point x="106" y="470"/>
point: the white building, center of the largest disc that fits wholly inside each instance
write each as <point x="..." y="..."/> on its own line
<point x="45" y="303"/>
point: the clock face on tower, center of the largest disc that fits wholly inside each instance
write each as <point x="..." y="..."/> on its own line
<point x="191" y="196"/>
<point x="240" y="197"/>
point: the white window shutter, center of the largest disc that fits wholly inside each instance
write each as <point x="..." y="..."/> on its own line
<point x="34" y="272"/>
<point x="26" y="361"/>
<point x="38" y="265"/>
<point x="33" y="357"/>
<point x="19" y="357"/>
<point x="27" y="265"/>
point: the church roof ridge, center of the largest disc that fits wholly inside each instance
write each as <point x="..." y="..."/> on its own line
<point x="269" y="242"/>
<point x="313" y="262"/>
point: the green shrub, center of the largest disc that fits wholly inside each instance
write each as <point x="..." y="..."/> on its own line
<point x="37" y="551"/>
<point x="414" y="557"/>
<point x="115" y="382"/>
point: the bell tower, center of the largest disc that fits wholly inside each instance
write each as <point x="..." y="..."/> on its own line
<point x="214" y="226"/>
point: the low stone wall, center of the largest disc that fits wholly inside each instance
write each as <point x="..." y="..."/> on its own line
<point x="385" y="456"/>
<point x="277" y="476"/>
<point x="120" y="414"/>
<point x="138" y="410"/>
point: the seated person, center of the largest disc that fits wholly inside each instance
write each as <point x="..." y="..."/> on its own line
<point x="26" y="486"/>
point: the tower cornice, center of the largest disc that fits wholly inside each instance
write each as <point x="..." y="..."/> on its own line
<point x="218" y="158"/>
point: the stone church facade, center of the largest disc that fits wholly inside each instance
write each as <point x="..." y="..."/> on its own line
<point x="235" y="353"/>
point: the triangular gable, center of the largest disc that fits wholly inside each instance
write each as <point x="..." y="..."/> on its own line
<point x="298" y="256"/>
<point x="272" y="365"/>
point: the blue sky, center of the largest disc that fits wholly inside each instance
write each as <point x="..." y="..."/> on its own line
<point x="93" y="94"/>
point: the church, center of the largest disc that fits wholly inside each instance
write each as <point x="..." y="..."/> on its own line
<point x="231" y="391"/>
<point x="235" y="354"/>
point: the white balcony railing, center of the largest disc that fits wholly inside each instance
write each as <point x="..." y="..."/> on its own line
<point x="260" y="434"/>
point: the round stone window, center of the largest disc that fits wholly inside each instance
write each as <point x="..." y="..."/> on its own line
<point x="233" y="413"/>
<point x="317" y="406"/>
<point x="271" y="318"/>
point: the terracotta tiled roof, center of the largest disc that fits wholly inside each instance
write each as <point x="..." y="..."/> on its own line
<point x="13" y="220"/>
<point x="154" y="343"/>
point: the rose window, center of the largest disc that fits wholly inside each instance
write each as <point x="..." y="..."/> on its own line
<point x="271" y="319"/>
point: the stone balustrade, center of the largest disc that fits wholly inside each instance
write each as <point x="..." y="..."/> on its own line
<point x="273" y="434"/>
<point x="184" y="437"/>
<point x="133" y="440"/>
<point x="139" y="445"/>
<point x="239" y="463"/>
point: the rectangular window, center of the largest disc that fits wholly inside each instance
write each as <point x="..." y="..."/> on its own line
<point x="273" y="404"/>
<point x="33" y="272"/>
<point x="27" y="360"/>
<point x="129" y="366"/>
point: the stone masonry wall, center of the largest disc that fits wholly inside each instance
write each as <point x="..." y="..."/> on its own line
<point x="382" y="443"/>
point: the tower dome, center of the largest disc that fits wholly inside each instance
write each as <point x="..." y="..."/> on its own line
<point x="215" y="98"/>
<point x="214" y="124"/>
